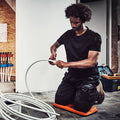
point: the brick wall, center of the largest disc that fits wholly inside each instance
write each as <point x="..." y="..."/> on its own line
<point x="114" y="37"/>
<point x="7" y="15"/>
<point x="118" y="19"/>
<point x="119" y="56"/>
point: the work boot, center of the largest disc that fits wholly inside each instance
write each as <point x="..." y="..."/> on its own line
<point x="101" y="94"/>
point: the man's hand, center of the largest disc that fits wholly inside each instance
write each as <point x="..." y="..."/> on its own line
<point x="61" y="64"/>
<point x="53" y="57"/>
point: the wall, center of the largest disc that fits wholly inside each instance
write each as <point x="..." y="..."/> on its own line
<point x="98" y="24"/>
<point x="118" y="12"/>
<point x="7" y="15"/>
<point x="39" y="23"/>
<point x="114" y="37"/>
<point x="119" y="56"/>
<point x="118" y="21"/>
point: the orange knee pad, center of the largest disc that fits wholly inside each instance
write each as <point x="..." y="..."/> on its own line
<point x="71" y="109"/>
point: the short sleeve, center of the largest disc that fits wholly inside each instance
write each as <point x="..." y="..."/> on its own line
<point x="61" y="40"/>
<point x="63" y="37"/>
<point x="96" y="43"/>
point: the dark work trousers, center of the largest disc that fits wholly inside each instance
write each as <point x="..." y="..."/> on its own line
<point x="82" y="93"/>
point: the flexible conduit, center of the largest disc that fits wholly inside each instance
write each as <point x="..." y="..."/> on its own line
<point x="19" y="99"/>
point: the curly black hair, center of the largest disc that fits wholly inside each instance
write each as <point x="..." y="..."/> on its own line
<point x="79" y="10"/>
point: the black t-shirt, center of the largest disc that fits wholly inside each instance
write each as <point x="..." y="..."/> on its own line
<point x="77" y="48"/>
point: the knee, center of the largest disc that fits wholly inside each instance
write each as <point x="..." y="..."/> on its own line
<point x="83" y="106"/>
<point x="61" y="100"/>
<point x="84" y="98"/>
<point x="81" y="103"/>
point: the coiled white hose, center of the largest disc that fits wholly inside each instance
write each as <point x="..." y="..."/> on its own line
<point x="19" y="99"/>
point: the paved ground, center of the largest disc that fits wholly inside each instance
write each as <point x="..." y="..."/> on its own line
<point x="109" y="110"/>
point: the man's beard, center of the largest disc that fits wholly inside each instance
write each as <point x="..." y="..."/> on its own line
<point x="78" y="28"/>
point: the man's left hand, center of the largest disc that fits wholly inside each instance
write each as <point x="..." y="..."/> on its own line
<point x="61" y="64"/>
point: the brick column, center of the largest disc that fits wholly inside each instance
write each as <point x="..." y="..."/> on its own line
<point x="114" y="37"/>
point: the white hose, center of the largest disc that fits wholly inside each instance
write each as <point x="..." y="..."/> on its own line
<point x="6" y="111"/>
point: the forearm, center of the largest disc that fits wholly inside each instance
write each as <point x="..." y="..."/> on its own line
<point x="54" y="47"/>
<point x="86" y="63"/>
<point x="81" y="64"/>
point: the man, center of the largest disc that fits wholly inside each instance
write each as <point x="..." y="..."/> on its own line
<point x="82" y="46"/>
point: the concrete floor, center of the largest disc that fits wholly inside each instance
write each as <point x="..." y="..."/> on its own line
<point x="109" y="109"/>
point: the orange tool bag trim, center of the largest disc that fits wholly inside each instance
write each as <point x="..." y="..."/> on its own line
<point x="71" y="109"/>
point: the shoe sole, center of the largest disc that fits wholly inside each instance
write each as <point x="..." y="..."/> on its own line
<point x="101" y="94"/>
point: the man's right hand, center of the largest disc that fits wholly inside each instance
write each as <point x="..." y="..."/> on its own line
<point x="53" y="49"/>
<point x="53" y="57"/>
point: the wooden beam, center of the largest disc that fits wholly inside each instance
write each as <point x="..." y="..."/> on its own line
<point x="12" y="4"/>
